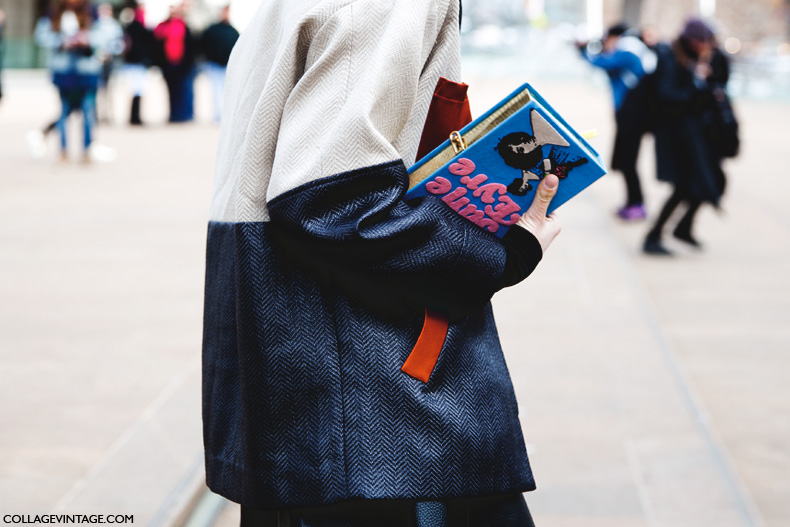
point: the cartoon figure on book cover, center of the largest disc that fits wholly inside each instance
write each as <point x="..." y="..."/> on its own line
<point x="525" y="151"/>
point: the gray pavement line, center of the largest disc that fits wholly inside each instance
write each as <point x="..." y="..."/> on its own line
<point x="186" y="495"/>
<point x="124" y="438"/>
<point x="580" y="274"/>
<point x="206" y="510"/>
<point x="746" y="507"/>
<point x="639" y="480"/>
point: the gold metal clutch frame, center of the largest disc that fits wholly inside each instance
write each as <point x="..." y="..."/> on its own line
<point x="458" y="141"/>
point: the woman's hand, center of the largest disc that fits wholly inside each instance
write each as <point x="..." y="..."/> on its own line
<point x="544" y="228"/>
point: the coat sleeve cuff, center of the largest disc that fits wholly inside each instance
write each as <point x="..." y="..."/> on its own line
<point x="523" y="255"/>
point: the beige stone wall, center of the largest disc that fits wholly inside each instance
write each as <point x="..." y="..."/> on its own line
<point x="666" y="16"/>
<point x="751" y="21"/>
<point x="20" y="17"/>
<point x="754" y="21"/>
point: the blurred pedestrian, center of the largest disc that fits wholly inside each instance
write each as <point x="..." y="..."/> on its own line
<point x="138" y="57"/>
<point x="176" y="53"/>
<point x="690" y="86"/>
<point x="110" y="45"/>
<point x="37" y="139"/>
<point x="627" y="61"/>
<point x="319" y="276"/>
<point x="74" y="65"/>
<point x="216" y="43"/>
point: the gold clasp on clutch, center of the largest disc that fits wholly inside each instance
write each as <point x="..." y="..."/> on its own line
<point x="458" y="142"/>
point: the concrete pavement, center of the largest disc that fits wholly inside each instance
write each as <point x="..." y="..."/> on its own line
<point x="652" y="391"/>
<point x="100" y="312"/>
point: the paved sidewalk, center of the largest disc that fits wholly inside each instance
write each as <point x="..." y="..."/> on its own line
<point x="652" y="391"/>
<point x="100" y="314"/>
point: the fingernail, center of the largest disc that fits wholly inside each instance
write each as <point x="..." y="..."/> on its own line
<point x="551" y="183"/>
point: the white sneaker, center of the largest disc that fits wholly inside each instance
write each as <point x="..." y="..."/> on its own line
<point x="102" y="153"/>
<point x="36" y="144"/>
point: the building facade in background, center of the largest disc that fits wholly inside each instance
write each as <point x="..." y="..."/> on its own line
<point x="759" y="27"/>
<point x="21" y="17"/>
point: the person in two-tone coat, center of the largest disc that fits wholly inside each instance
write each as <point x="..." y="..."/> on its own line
<point x="319" y="275"/>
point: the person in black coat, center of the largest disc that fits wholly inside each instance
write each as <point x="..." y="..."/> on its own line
<point x="216" y="44"/>
<point x="690" y="74"/>
<point x="138" y="56"/>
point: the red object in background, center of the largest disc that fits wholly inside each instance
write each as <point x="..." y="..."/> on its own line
<point x="173" y="32"/>
<point x="449" y="112"/>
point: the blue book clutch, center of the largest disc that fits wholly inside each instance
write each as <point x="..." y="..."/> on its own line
<point x="488" y="171"/>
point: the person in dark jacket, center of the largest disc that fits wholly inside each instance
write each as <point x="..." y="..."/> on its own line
<point x="627" y="61"/>
<point x="137" y="57"/>
<point x="176" y="54"/>
<point x="216" y="43"/>
<point x="690" y="73"/>
<point x="320" y="277"/>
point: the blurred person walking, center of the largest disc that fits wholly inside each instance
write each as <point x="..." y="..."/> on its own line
<point x="627" y="61"/>
<point x="176" y="57"/>
<point x="74" y="65"/>
<point x="37" y="139"/>
<point x="216" y="43"/>
<point x="138" y="57"/>
<point x="109" y="36"/>
<point x="695" y="129"/>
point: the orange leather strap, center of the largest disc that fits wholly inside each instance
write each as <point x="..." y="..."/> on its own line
<point x="422" y="359"/>
<point x="449" y="111"/>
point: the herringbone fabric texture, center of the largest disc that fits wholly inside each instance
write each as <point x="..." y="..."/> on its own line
<point x="320" y="87"/>
<point x="318" y="274"/>
<point x="304" y="399"/>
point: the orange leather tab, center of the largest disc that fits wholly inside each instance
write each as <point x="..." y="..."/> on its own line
<point x="449" y="111"/>
<point x="422" y="359"/>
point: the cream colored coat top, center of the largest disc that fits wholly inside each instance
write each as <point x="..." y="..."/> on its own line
<point x="327" y="87"/>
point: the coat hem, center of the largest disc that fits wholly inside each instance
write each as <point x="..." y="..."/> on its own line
<point x="232" y="482"/>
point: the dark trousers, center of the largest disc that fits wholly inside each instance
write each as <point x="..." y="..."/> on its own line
<point x="497" y="511"/>
<point x="627" y="141"/>
<point x="686" y="222"/>
<point x="180" y="89"/>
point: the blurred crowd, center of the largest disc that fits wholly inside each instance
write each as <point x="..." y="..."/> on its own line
<point x="676" y="91"/>
<point x="88" y="44"/>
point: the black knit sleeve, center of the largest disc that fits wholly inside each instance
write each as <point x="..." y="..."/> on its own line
<point x="524" y="253"/>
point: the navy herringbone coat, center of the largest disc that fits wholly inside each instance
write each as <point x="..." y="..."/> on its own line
<point x="318" y="273"/>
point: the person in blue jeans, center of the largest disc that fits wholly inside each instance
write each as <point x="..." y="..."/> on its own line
<point x="75" y="68"/>
<point x="627" y="62"/>
<point x="216" y="44"/>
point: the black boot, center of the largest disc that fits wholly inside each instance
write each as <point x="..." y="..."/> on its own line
<point x="135" y="115"/>
<point x="683" y="229"/>
<point x="684" y="235"/>
<point x="654" y="246"/>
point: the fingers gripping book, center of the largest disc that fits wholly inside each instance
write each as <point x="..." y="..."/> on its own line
<point x="489" y="170"/>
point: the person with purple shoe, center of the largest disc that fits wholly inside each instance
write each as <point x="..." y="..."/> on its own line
<point x="627" y="61"/>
